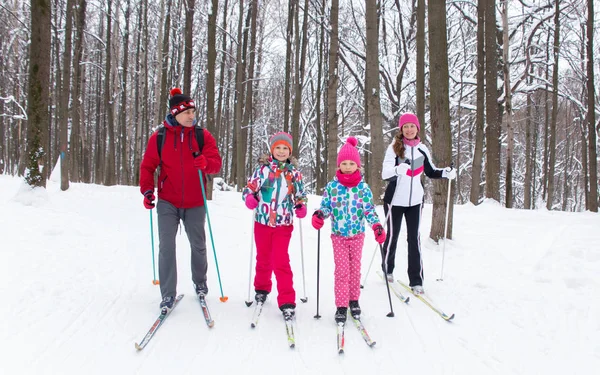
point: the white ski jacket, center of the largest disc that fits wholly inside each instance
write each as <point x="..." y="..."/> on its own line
<point x="405" y="188"/>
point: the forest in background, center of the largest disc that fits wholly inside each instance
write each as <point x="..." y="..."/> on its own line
<point x="505" y="90"/>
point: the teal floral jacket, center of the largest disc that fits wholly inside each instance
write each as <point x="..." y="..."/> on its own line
<point x="348" y="207"/>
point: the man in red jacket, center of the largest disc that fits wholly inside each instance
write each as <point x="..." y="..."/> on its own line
<point x="179" y="192"/>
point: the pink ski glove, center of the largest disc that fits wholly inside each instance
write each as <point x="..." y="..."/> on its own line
<point x="251" y="201"/>
<point x="379" y="233"/>
<point x="317" y="220"/>
<point x="301" y="211"/>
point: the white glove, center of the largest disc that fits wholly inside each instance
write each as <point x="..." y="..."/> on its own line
<point x="449" y="173"/>
<point x="402" y="169"/>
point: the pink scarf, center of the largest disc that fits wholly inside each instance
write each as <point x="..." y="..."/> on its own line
<point x="411" y="142"/>
<point x="348" y="180"/>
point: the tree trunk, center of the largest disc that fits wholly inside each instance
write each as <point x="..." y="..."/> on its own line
<point x="124" y="170"/>
<point x="493" y="132"/>
<point x="320" y="167"/>
<point x="373" y="98"/>
<point x="480" y="115"/>
<point x="38" y="90"/>
<point x="248" y="99"/>
<point x="189" y="30"/>
<point x="109" y="175"/>
<point x="239" y="150"/>
<point x="332" y="84"/>
<point x="552" y="141"/>
<point x="529" y="159"/>
<point x="64" y="99"/>
<point x="288" y="64"/>
<point x="508" y="107"/>
<point x="420" y="65"/>
<point x="440" y="114"/>
<point x="76" y="143"/>
<point x="299" y="81"/>
<point x="211" y="56"/>
<point x="591" y="118"/>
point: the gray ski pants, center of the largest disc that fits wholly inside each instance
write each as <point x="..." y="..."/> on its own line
<point x="169" y="218"/>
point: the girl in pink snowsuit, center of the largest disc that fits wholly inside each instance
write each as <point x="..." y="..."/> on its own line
<point x="275" y="191"/>
<point x="348" y="200"/>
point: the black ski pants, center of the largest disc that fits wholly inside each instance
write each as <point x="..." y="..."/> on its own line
<point x="412" y="216"/>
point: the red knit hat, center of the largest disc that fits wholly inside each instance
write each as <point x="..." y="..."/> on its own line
<point x="349" y="152"/>
<point x="180" y="102"/>
<point x="409" y="117"/>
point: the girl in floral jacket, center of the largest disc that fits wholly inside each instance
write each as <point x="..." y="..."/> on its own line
<point x="348" y="200"/>
<point x="274" y="191"/>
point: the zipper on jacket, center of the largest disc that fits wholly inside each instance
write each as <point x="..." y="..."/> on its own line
<point x="182" y="169"/>
<point x="412" y="156"/>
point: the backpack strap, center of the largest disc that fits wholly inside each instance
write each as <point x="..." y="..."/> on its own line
<point x="199" y="137"/>
<point x="160" y="141"/>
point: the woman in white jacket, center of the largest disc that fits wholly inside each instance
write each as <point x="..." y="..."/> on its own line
<point x="405" y="160"/>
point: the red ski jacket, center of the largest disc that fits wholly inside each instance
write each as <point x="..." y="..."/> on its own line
<point x="178" y="181"/>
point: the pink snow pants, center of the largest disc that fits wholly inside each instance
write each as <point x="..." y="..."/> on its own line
<point x="272" y="256"/>
<point x="347" y="253"/>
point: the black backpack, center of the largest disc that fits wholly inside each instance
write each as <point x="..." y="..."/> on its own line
<point x="160" y="139"/>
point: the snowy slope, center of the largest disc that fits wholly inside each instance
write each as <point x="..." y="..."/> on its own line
<point x="76" y="285"/>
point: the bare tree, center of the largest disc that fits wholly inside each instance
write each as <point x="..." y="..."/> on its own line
<point x="189" y="30"/>
<point x="552" y="140"/>
<point x="299" y="75"/>
<point x="591" y="105"/>
<point x="492" y="166"/>
<point x="109" y="175"/>
<point x="292" y="5"/>
<point x="480" y="103"/>
<point x="508" y="107"/>
<point x="239" y="151"/>
<point x="64" y="99"/>
<point x="420" y="74"/>
<point x="332" y="85"/>
<point x="37" y="98"/>
<point x="373" y="96"/>
<point x="440" y="113"/>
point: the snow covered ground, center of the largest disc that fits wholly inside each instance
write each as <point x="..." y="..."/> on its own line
<point x="77" y="292"/>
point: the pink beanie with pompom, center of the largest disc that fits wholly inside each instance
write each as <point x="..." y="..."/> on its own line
<point x="349" y="152"/>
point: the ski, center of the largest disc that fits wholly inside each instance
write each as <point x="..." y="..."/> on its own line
<point x="209" y="321"/>
<point x="289" y="330"/>
<point x="340" y="337"/>
<point x="159" y="321"/>
<point x="363" y="332"/>
<point x="427" y="302"/>
<point x="257" y="310"/>
<point x="401" y="296"/>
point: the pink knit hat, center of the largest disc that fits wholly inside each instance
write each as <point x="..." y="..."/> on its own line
<point x="349" y="152"/>
<point x="409" y="117"/>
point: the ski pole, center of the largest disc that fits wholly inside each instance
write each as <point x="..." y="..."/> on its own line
<point x="375" y="251"/>
<point x="154" y="280"/>
<point x="387" y="283"/>
<point x="249" y="301"/>
<point x="318" y="269"/>
<point x="446" y="228"/>
<point x="305" y="299"/>
<point x="212" y="241"/>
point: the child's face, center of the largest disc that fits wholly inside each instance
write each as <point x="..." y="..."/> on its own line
<point x="409" y="130"/>
<point x="348" y="167"/>
<point x="281" y="152"/>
